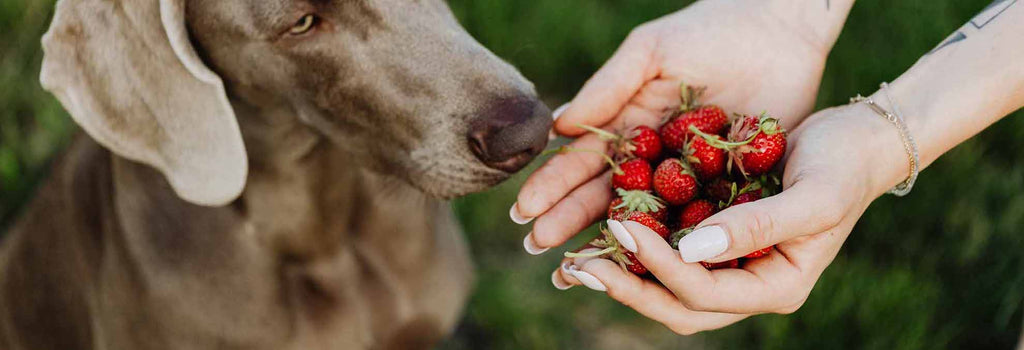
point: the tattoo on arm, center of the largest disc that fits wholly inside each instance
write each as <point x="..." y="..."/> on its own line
<point x="989" y="14"/>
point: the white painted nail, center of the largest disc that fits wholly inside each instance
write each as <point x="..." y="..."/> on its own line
<point x="557" y="113"/>
<point x="705" y="243"/>
<point x="587" y="279"/>
<point x="624" y="237"/>
<point x="556" y="280"/>
<point x="513" y="213"/>
<point x="531" y="246"/>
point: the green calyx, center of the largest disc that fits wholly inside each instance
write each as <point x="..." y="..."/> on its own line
<point x="688" y="96"/>
<point x="673" y="240"/>
<point x="718" y="143"/>
<point x="641" y="201"/>
<point x="769" y="125"/>
<point x="611" y="250"/>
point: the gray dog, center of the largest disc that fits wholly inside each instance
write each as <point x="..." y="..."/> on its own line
<point x="261" y="174"/>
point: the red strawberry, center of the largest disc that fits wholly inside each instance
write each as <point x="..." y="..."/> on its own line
<point x="708" y="162"/>
<point x="645" y="143"/>
<point x="640" y="142"/>
<point x="731" y="264"/>
<point x="642" y="201"/>
<point x="759" y="253"/>
<point x="763" y="144"/>
<point x="634" y="174"/>
<point x="745" y="198"/>
<point x="719" y="190"/>
<point x="695" y="212"/>
<point x="649" y="221"/>
<point x="674" y="182"/>
<point x="634" y="265"/>
<point x="709" y="119"/>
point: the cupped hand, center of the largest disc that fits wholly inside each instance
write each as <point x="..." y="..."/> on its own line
<point x="744" y="52"/>
<point x="841" y="159"/>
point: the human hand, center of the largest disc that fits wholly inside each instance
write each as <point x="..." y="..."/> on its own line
<point x="749" y="55"/>
<point x="841" y="159"/>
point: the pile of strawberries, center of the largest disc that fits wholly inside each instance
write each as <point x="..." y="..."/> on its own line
<point x="705" y="162"/>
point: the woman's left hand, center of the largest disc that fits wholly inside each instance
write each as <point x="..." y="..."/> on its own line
<point x="840" y="160"/>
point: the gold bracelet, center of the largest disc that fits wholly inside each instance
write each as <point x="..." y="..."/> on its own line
<point x="903" y="188"/>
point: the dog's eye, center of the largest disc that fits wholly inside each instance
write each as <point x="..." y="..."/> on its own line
<point x="303" y="25"/>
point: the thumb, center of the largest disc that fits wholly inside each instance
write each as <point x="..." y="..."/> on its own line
<point x="608" y="91"/>
<point x="803" y="209"/>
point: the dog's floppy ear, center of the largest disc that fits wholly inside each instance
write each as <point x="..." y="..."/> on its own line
<point x="128" y="74"/>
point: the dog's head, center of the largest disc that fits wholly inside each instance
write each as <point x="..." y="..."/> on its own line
<point x="398" y="84"/>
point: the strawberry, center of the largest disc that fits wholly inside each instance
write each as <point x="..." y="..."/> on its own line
<point x="761" y="143"/>
<point x="642" y="201"/>
<point x="645" y="143"/>
<point x="674" y="182"/>
<point x="695" y="212"/>
<point x="649" y="221"/>
<point x="745" y="198"/>
<point x="758" y="253"/>
<point x="731" y="264"/>
<point x="708" y="118"/>
<point x="719" y="190"/>
<point x="633" y="264"/>
<point x="634" y="174"/>
<point x="640" y="142"/>
<point x="707" y="161"/>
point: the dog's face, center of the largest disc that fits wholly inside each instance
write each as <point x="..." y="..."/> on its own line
<point x="397" y="83"/>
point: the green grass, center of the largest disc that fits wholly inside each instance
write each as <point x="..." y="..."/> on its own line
<point x="941" y="268"/>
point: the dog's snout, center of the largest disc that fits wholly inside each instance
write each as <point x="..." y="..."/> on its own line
<point x="510" y="133"/>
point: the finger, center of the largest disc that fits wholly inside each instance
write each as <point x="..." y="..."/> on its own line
<point x="574" y="213"/>
<point x="727" y="290"/>
<point x="805" y="208"/>
<point x="653" y="301"/>
<point x="558" y="176"/>
<point x="604" y="95"/>
<point x="563" y="277"/>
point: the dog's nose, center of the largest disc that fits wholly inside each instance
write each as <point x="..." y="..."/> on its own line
<point x="510" y="133"/>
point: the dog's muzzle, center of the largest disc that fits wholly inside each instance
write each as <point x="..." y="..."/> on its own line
<point x="510" y="133"/>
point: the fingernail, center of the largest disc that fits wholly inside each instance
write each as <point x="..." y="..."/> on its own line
<point x="622" y="235"/>
<point x="705" y="243"/>
<point x="531" y="246"/>
<point x="556" y="280"/>
<point x="513" y="213"/>
<point x="587" y="279"/>
<point x="557" y="113"/>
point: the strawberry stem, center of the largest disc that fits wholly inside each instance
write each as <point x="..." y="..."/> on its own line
<point x="717" y="143"/>
<point x="591" y="254"/>
<point x="603" y="134"/>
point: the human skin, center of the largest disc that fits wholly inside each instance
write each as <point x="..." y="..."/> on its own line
<point x="967" y="83"/>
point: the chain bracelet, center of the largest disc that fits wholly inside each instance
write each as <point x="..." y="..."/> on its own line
<point x="903" y="188"/>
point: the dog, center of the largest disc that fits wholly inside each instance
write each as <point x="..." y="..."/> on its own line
<point x="261" y="174"/>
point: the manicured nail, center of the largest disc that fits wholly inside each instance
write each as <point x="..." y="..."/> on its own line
<point x="556" y="279"/>
<point x="624" y="237"/>
<point x="531" y="246"/>
<point x="583" y="260"/>
<point x="705" y="243"/>
<point x="557" y="113"/>
<point x="513" y="213"/>
<point x="587" y="279"/>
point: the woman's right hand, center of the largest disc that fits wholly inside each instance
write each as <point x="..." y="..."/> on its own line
<point x="752" y="55"/>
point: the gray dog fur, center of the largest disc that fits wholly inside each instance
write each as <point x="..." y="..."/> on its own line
<point x="244" y="189"/>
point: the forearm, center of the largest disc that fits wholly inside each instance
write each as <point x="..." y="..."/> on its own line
<point x="971" y="80"/>
<point x="819" y="21"/>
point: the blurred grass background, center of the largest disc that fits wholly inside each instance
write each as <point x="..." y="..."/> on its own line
<point x="941" y="268"/>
